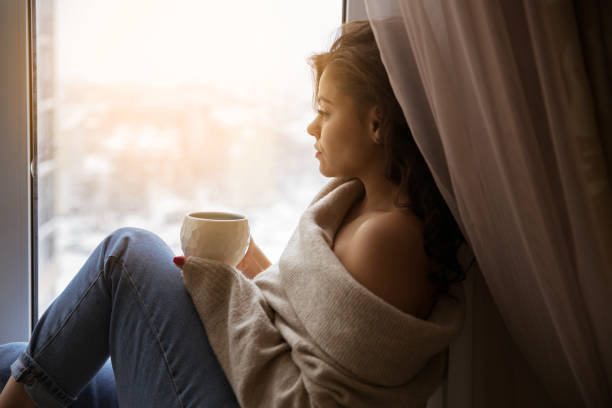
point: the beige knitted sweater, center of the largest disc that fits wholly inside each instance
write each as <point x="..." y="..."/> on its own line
<point x="305" y="333"/>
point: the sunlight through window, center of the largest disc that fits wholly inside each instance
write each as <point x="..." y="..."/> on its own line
<point x="149" y="109"/>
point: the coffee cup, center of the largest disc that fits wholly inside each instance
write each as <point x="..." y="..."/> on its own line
<point x="219" y="235"/>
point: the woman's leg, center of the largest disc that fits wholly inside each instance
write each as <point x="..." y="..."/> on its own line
<point x="127" y="300"/>
<point x="99" y="392"/>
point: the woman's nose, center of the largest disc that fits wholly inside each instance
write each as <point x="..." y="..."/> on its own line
<point x="312" y="129"/>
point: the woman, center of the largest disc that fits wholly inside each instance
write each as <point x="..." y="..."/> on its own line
<point x="381" y="233"/>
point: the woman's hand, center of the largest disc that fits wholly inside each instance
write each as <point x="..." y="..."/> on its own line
<point x="179" y="261"/>
<point x="253" y="262"/>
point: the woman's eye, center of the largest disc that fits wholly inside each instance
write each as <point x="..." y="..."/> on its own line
<point x="322" y="113"/>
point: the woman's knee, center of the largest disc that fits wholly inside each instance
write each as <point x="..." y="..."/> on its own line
<point x="138" y="251"/>
<point x="134" y="234"/>
<point x="135" y="243"/>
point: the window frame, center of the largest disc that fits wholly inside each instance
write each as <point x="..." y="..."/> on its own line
<point x="16" y="206"/>
<point x="354" y="10"/>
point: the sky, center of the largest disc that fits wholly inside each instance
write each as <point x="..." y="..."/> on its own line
<point x="167" y="42"/>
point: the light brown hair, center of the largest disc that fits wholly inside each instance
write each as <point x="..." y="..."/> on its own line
<point x="360" y="74"/>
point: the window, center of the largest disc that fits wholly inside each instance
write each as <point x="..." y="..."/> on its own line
<point x="149" y="109"/>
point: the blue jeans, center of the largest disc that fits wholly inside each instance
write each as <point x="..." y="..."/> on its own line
<point x="128" y="302"/>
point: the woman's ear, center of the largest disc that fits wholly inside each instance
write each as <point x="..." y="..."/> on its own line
<point x="375" y="119"/>
<point x="375" y="125"/>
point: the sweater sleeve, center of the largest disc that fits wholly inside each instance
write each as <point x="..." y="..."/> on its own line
<point x="239" y="323"/>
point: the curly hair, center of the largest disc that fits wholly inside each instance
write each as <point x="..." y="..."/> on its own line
<point x="360" y="74"/>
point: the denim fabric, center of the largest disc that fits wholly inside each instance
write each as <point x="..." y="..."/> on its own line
<point x="98" y="393"/>
<point x="127" y="301"/>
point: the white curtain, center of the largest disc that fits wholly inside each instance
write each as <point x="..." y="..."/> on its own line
<point x="504" y="108"/>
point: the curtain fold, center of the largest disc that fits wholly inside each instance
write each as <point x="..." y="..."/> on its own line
<point x="596" y="44"/>
<point x="512" y="119"/>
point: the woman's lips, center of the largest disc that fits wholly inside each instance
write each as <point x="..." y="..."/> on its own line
<point x="317" y="154"/>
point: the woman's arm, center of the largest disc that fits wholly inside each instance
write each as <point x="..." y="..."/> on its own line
<point x="255" y="357"/>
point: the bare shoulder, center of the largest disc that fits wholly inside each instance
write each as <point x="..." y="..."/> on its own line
<point x="393" y="224"/>
<point x="387" y="256"/>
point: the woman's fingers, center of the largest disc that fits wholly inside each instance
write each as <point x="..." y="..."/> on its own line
<point x="179" y="261"/>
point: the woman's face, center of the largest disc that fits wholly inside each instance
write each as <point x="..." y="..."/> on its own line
<point x="346" y="143"/>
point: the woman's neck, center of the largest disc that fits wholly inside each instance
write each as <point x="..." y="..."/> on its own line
<point x="379" y="195"/>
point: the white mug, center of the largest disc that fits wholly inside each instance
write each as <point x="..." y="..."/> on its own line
<point x="219" y="235"/>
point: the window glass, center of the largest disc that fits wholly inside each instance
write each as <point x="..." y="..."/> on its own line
<point x="149" y="109"/>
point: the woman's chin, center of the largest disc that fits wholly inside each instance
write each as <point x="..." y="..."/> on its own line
<point x="327" y="173"/>
<point x="324" y="172"/>
<point x="331" y="172"/>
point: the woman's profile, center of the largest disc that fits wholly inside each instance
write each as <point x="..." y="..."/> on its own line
<point x="358" y="311"/>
